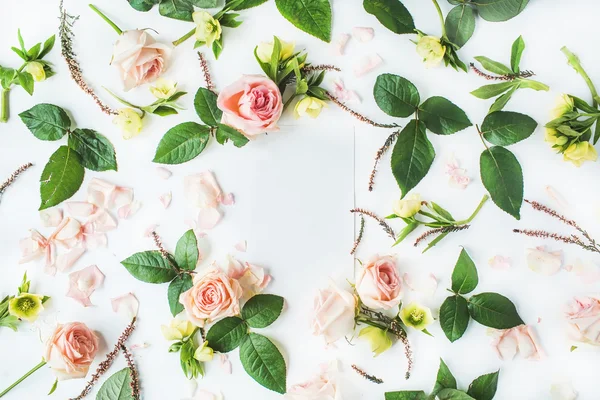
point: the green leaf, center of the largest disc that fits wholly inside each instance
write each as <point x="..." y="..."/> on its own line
<point x="503" y="128"/>
<point x="181" y="283"/>
<point x="494" y="310"/>
<point x="53" y="387"/>
<point x="26" y="81"/>
<point x="501" y="101"/>
<point x="96" y="151"/>
<point x="493" y="90"/>
<point x="20" y="53"/>
<point x="263" y="362"/>
<point x="117" y="387"/>
<point x="484" y="387"/>
<point x="62" y="177"/>
<point x="34" y="52"/>
<point x="226" y="133"/>
<point x="454" y="317"/>
<point x="204" y="3"/>
<point x="406" y="395"/>
<point x="150" y="267"/>
<point x="262" y="310"/>
<point x="454" y="394"/>
<point x="176" y="9"/>
<point x="515" y="55"/>
<point x="412" y="156"/>
<point x="48" y="45"/>
<point x="499" y="10"/>
<point x="143" y="5"/>
<point x="217" y="47"/>
<point x="502" y="176"/>
<point x="230" y="21"/>
<point x="392" y="14"/>
<point x="535" y="85"/>
<point x="443" y="117"/>
<point x="460" y="24"/>
<point x="310" y="16"/>
<point x="246" y="4"/>
<point x="186" y="252"/>
<point x="444" y="380"/>
<point x="46" y="121"/>
<point x="205" y="103"/>
<point x="494" y="66"/>
<point x="227" y="334"/>
<point x="396" y="96"/>
<point x="21" y="42"/>
<point x="164" y="111"/>
<point x="464" y="276"/>
<point x="182" y="143"/>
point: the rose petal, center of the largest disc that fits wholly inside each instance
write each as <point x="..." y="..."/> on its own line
<point x="126" y="306"/>
<point x="83" y="283"/>
<point x="148" y="231"/>
<point x="558" y="199"/>
<point x="225" y="363"/>
<point x="80" y="208"/>
<point x="65" y="261"/>
<point x="363" y="34"/>
<point x="129" y="210"/>
<point x="543" y="262"/>
<point x="202" y="190"/>
<point x="563" y="391"/>
<point x="228" y="199"/>
<point x="208" y="218"/>
<point x="165" y="199"/>
<point x="51" y="217"/>
<point x="241" y="246"/>
<point x="457" y="177"/>
<point x="519" y="339"/>
<point x="163" y="173"/>
<point x="367" y="64"/>
<point x="342" y="94"/>
<point x="587" y="271"/>
<point x="107" y="195"/>
<point x="499" y="262"/>
<point x="339" y="44"/>
<point x="68" y="233"/>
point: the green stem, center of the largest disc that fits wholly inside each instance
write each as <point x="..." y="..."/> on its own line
<point x="576" y="64"/>
<point x="105" y="18"/>
<point x="439" y="11"/>
<point x="481" y="137"/>
<point x="123" y="101"/>
<point x="21" y="379"/>
<point x="4" y="105"/>
<point x="468" y="220"/>
<point x="371" y="323"/>
<point x="184" y="37"/>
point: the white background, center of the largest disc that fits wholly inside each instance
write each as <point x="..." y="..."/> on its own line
<point x="293" y="191"/>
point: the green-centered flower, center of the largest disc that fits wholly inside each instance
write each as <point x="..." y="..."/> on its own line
<point x="129" y="121"/>
<point x="36" y="69"/>
<point x="177" y="329"/>
<point x="309" y="106"/>
<point x="208" y="29"/>
<point x="264" y="51"/>
<point x="163" y="88"/>
<point x="564" y="104"/>
<point x="407" y="207"/>
<point x="431" y="49"/>
<point x="204" y="353"/>
<point x="26" y="306"/>
<point x="378" y="338"/>
<point x="578" y="153"/>
<point x="416" y="316"/>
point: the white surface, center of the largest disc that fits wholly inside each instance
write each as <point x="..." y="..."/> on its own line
<point x="293" y="190"/>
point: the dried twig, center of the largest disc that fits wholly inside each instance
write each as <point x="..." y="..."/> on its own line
<point x="370" y="378"/>
<point x="507" y="77"/>
<point x="321" y="67"/>
<point x="361" y="232"/>
<point x="14" y="176"/>
<point x="135" y="382"/>
<point x="66" y="34"/>
<point x="356" y="115"/>
<point x="388" y="229"/>
<point x="388" y="143"/>
<point x="445" y="229"/>
<point x="206" y="71"/>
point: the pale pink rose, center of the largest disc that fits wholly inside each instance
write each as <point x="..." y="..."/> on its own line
<point x="252" y="104"/>
<point x="215" y="295"/>
<point x="520" y="339"/>
<point x="320" y="387"/>
<point x="139" y="58"/>
<point x="333" y="313"/>
<point x="378" y="284"/>
<point x="70" y="350"/>
<point x="252" y="278"/>
<point x="83" y="283"/>
<point x="583" y="316"/>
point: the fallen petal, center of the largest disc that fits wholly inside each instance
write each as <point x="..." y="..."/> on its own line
<point x="499" y="262"/>
<point x="225" y="363"/>
<point x="367" y="64"/>
<point x="557" y="198"/>
<point x="165" y="199"/>
<point x="339" y="44"/>
<point x="228" y="199"/>
<point x="543" y="262"/>
<point x="51" y="218"/>
<point x="363" y="34"/>
<point x="83" y="283"/>
<point x="148" y="231"/>
<point x="65" y="261"/>
<point x="80" y="209"/>
<point x="563" y="391"/>
<point x="163" y="173"/>
<point x="126" y="306"/>
<point x="587" y="271"/>
<point x="342" y="94"/>
<point x="129" y="210"/>
<point x="202" y="190"/>
<point x="241" y="246"/>
<point x="208" y="218"/>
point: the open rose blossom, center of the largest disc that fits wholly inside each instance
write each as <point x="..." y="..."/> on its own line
<point x="139" y="58"/>
<point x="70" y="350"/>
<point x="333" y="313"/>
<point x="252" y="104"/>
<point x="583" y="316"/>
<point x="215" y="295"/>
<point x="378" y="284"/>
<point x="320" y="387"/>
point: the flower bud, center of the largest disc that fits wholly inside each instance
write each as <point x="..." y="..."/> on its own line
<point x="416" y="316"/>
<point x="264" y="51"/>
<point x="175" y="347"/>
<point x="163" y="88"/>
<point x="431" y="49"/>
<point x="309" y="106"/>
<point x="564" y="104"/>
<point x="26" y="306"/>
<point x="177" y="329"/>
<point x="378" y="338"/>
<point x="208" y="29"/>
<point x="407" y="207"/>
<point x="204" y="353"/>
<point x="578" y="153"/>
<point x="36" y="69"/>
<point x="129" y="121"/>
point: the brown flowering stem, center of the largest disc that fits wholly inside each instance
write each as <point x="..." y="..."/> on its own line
<point x="184" y="37"/>
<point x="206" y="71"/>
<point x="321" y="67"/>
<point x="356" y="115"/>
<point x="21" y="379"/>
<point x="507" y="77"/>
<point x="135" y="382"/>
<point x="370" y="378"/>
<point x="388" y="229"/>
<point x="382" y="150"/>
<point x="4" y="105"/>
<point x="105" y="18"/>
<point x="361" y="232"/>
<point x="444" y="230"/>
<point x="14" y="176"/>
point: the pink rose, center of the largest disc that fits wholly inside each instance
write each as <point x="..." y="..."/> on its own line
<point x="378" y="284"/>
<point x="139" y="58"/>
<point x="70" y="350"/>
<point x="320" y="387"/>
<point x="334" y="310"/>
<point x="583" y="315"/>
<point x="215" y="295"/>
<point x="252" y="104"/>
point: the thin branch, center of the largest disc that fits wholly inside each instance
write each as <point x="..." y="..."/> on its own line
<point x="14" y="176"/>
<point x="206" y="71"/>
<point x="508" y="77"/>
<point x="388" y="229"/>
<point x="361" y="232"/>
<point x="135" y="382"/>
<point x="388" y="143"/>
<point x="445" y="229"/>
<point x="321" y="67"/>
<point x="356" y="115"/>
<point x="370" y="378"/>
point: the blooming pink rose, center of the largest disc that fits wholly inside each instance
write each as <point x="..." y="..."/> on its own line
<point x="214" y="295"/>
<point x="252" y="104"/>
<point x="320" y="387"/>
<point x="70" y="350"/>
<point x="139" y="58"/>
<point x="378" y="284"/>
<point x="333" y="313"/>
<point x="583" y="315"/>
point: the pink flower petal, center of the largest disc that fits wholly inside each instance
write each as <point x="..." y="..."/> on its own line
<point x="228" y="199"/>
<point x="339" y="43"/>
<point x="126" y="306"/>
<point x="499" y="262"/>
<point x="80" y="208"/>
<point x="51" y="218"/>
<point x="83" y="283"/>
<point x="165" y="199"/>
<point x="102" y="221"/>
<point x="65" y="261"/>
<point x="543" y="262"/>
<point x="202" y="190"/>
<point x="68" y="233"/>
<point x="557" y="198"/>
<point x="241" y="246"/>
<point x="344" y="95"/>
<point x="457" y="177"/>
<point x="363" y="34"/>
<point x="107" y="195"/>
<point x="520" y="339"/>
<point x="148" y="231"/>
<point x="163" y="173"/>
<point x="367" y="64"/>
<point x="208" y="218"/>
<point x="33" y="247"/>
<point x="587" y="271"/>
<point x="225" y="363"/>
<point x="129" y="210"/>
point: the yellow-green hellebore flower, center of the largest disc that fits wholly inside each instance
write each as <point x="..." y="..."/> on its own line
<point x="578" y="153"/>
<point x="309" y="106"/>
<point x="36" y="69"/>
<point x="408" y="207"/>
<point x="204" y="353"/>
<point x="177" y="329"/>
<point x="264" y="51"/>
<point x="431" y="49"/>
<point x="208" y="29"/>
<point x="378" y="338"/>
<point x="416" y="316"/>
<point x="26" y="306"/>
<point x="564" y="104"/>
<point x="163" y="88"/>
<point x="129" y="121"/>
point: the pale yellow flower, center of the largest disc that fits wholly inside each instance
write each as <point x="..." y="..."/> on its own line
<point x="177" y="329"/>
<point x="208" y="29"/>
<point x="129" y="121"/>
<point x="416" y="316"/>
<point x="564" y="104"/>
<point x="578" y="153"/>
<point x="204" y="353"/>
<point x="36" y="70"/>
<point x="265" y="50"/>
<point x="432" y="51"/>
<point x="26" y="306"/>
<point x="379" y="339"/>
<point x="163" y="88"/>
<point x="309" y="106"/>
<point x="407" y="207"/>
